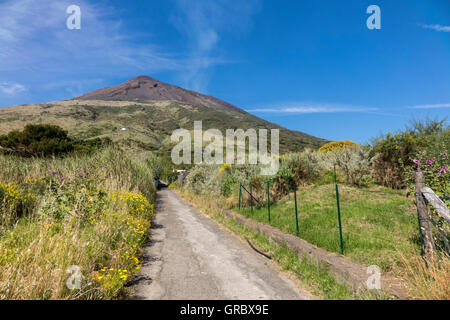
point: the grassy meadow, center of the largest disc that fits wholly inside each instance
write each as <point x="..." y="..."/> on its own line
<point x="377" y="223"/>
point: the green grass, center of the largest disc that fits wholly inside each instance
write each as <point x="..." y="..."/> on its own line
<point x="377" y="222"/>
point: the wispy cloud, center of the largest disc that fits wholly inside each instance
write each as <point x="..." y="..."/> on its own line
<point x="314" y="107"/>
<point x="11" y="89"/>
<point x="38" y="50"/>
<point x="436" y="27"/>
<point x="305" y="108"/>
<point x="204" y="23"/>
<point x="431" y="106"/>
<point x="34" y="37"/>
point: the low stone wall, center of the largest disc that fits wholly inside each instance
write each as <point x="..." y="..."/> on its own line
<point x="342" y="268"/>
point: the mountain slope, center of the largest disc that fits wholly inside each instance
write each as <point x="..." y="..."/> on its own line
<point x="149" y="110"/>
<point x="147" y="88"/>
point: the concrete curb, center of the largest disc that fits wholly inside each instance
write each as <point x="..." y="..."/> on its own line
<point x="342" y="268"/>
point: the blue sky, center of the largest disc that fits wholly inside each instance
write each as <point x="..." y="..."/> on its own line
<point x="311" y="66"/>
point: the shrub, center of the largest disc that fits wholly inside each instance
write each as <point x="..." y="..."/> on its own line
<point x="392" y="153"/>
<point x="47" y="140"/>
<point x="436" y="172"/>
<point x="39" y="139"/>
<point x="355" y="163"/>
<point x="219" y="180"/>
<point x="162" y="168"/>
<point x="337" y="145"/>
<point x="14" y="203"/>
<point x="203" y="179"/>
<point x="227" y="183"/>
<point x="304" y="166"/>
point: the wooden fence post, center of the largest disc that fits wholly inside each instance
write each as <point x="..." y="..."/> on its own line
<point x="424" y="219"/>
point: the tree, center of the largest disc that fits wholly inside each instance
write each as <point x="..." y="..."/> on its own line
<point x="38" y="140"/>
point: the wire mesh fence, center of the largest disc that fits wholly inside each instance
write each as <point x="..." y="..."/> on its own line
<point x="371" y="224"/>
<point x="285" y="215"/>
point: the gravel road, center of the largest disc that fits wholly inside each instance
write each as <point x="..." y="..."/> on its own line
<point x="191" y="257"/>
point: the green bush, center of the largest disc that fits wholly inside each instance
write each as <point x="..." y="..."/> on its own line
<point x="15" y="203"/>
<point x="354" y="163"/>
<point x="303" y="167"/>
<point x="227" y="183"/>
<point x="202" y="179"/>
<point x="394" y="153"/>
<point x="39" y="139"/>
<point x="47" y="140"/>
<point x="437" y="174"/>
<point x="162" y="168"/>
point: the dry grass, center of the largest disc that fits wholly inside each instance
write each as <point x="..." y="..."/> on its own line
<point x="428" y="282"/>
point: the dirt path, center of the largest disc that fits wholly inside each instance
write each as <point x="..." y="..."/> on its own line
<point x="192" y="257"/>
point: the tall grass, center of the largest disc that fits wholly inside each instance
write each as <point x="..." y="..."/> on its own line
<point x="428" y="282"/>
<point x="92" y="212"/>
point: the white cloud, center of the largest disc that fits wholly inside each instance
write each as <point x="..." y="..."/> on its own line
<point x="34" y="37"/>
<point x="11" y="89"/>
<point x="436" y="27"/>
<point x="306" y="108"/>
<point x="431" y="106"/>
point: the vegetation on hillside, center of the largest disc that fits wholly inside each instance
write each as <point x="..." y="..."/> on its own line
<point x="148" y="124"/>
<point x="81" y="215"/>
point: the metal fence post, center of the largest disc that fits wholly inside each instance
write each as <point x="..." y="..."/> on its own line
<point x="268" y="199"/>
<point x="240" y="195"/>
<point x="339" y="211"/>
<point x="251" y="196"/>
<point x="287" y="181"/>
<point x="339" y="218"/>
<point x="296" y="212"/>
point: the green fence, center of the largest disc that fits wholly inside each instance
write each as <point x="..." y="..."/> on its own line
<point x="369" y="223"/>
<point x="247" y="192"/>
